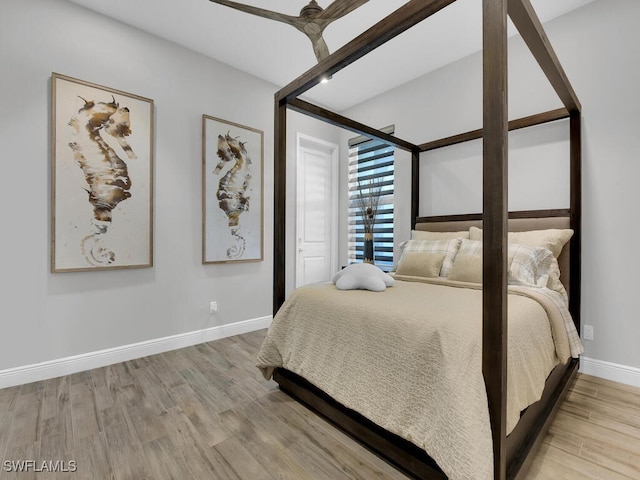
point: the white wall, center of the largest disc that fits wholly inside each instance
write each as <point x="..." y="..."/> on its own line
<point x="599" y="46"/>
<point x="45" y="316"/>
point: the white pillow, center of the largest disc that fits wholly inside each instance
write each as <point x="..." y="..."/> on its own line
<point x="362" y="276"/>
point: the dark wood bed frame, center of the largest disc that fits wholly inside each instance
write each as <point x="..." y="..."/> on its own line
<point x="512" y="453"/>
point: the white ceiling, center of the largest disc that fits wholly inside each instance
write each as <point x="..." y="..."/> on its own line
<point x="279" y="53"/>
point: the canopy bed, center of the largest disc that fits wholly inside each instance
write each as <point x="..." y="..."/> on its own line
<point x="511" y="446"/>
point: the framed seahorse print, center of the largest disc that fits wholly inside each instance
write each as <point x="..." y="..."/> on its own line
<point x="101" y="177"/>
<point x="232" y="185"/>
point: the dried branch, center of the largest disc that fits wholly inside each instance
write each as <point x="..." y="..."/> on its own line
<point x="368" y="199"/>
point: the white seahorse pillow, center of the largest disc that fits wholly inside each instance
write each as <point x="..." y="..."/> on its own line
<point x="362" y="276"/>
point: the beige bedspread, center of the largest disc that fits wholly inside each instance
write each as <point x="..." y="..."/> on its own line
<point x="410" y="360"/>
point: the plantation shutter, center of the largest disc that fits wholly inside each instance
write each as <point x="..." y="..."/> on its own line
<point x="371" y="160"/>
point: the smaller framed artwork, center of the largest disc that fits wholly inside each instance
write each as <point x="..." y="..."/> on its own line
<point x="232" y="192"/>
<point x="101" y="177"/>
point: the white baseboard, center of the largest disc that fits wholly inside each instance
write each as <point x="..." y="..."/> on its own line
<point x="102" y="358"/>
<point x="610" y="371"/>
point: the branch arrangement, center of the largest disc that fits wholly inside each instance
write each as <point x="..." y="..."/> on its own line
<point x="368" y="200"/>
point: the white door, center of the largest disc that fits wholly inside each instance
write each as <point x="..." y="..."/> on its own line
<point x="317" y="215"/>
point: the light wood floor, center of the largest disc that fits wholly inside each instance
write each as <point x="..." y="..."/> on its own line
<point x="205" y="412"/>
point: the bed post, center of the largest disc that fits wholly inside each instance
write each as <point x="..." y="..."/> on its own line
<point x="279" y="201"/>
<point x="528" y="24"/>
<point x="575" y="152"/>
<point x="495" y="214"/>
<point x="415" y="186"/>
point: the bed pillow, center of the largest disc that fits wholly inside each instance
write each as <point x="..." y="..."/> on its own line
<point x="433" y="250"/>
<point x="425" y="235"/>
<point x="527" y="265"/>
<point x="362" y="276"/>
<point x="467" y="265"/>
<point x="534" y="266"/>
<point x="552" y="239"/>
<point x="397" y="255"/>
<point x="420" y="264"/>
<point x="553" y="281"/>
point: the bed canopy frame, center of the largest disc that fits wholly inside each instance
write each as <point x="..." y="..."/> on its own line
<point x="496" y="125"/>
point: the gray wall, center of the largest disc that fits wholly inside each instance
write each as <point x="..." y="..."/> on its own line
<point x="46" y="316"/>
<point x="599" y="47"/>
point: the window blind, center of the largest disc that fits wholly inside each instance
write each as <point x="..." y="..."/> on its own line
<point x="371" y="160"/>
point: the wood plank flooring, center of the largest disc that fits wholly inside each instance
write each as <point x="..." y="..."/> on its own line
<point x="205" y="412"/>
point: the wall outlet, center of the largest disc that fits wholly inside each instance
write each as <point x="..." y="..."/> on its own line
<point x="213" y="307"/>
<point x="587" y="332"/>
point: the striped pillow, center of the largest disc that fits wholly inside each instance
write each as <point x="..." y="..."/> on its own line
<point x="436" y="249"/>
<point x="527" y="265"/>
<point x="534" y="266"/>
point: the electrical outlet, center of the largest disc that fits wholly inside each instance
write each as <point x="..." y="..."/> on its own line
<point x="213" y="307"/>
<point x="587" y="332"/>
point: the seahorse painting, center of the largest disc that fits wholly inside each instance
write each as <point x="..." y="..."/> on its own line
<point x="233" y="197"/>
<point x="105" y="173"/>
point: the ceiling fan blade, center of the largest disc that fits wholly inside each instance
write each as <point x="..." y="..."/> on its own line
<point x="260" y="12"/>
<point x="319" y="46"/>
<point x="338" y="9"/>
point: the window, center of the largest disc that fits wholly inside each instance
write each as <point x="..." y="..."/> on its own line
<point x="371" y="160"/>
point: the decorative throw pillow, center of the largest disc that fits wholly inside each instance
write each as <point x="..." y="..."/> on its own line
<point x="527" y="265"/>
<point x="397" y="256"/>
<point x="362" y="276"/>
<point x="447" y="249"/>
<point x="554" y="282"/>
<point x="420" y="264"/>
<point x="467" y="266"/>
<point x="534" y="266"/>
<point x="552" y="239"/>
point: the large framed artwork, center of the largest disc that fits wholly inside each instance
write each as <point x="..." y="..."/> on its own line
<point x="102" y="177"/>
<point x="232" y="185"/>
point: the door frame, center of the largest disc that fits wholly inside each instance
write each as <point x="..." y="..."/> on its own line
<point x="304" y="141"/>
